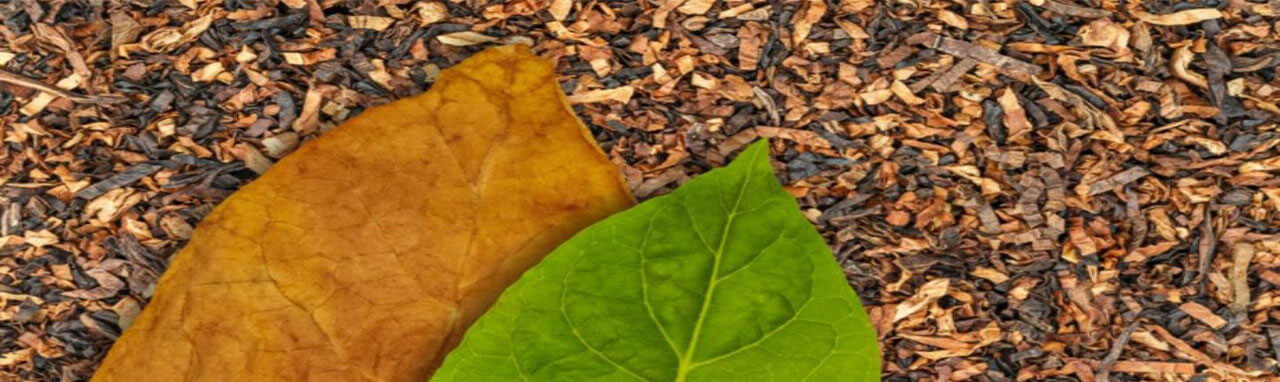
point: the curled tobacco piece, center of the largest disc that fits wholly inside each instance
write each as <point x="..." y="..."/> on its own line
<point x="721" y="280"/>
<point x="365" y="254"/>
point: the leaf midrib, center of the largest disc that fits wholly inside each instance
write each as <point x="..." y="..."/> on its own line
<point x="686" y="362"/>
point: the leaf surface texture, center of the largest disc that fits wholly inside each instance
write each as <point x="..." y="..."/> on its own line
<point x="366" y="253"/>
<point x="721" y="280"/>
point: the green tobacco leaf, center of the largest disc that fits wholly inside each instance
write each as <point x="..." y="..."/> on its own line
<point x="721" y="280"/>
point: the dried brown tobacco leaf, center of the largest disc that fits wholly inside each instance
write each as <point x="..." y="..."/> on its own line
<point x="559" y="9"/>
<point x="1105" y="34"/>
<point x="1241" y="255"/>
<point x="1015" y="118"/>
<point x="169" y="38"/>
<point x="55" y="36"/>
<point x="366" y="253"/>
<point x="1180" y="65"/>
<point x="430" y="12"/>
<point x="804" y="25"/>
<point x="1204" y="314"/>
<point x="124" y="29"/>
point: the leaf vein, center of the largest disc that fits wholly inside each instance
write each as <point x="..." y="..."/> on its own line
<point x="794" y="318"/>
<point x="687" y="361"/>
<point x="644" y="288"/>
<point x="574" y="330"/>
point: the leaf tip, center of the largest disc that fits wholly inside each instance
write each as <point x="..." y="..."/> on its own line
<point x="754" y="159"/>
<point x="754" y="152"/>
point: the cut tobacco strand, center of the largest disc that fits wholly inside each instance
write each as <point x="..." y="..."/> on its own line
<point x="959" y="48"/>
<point x="1073" y="10"/>
<point x="950" y="77"/>
<point x="1202" y="313"/>
<point x="465" y="38"/>
<point x="15" y="79"/>
<point x="1184" y="17"/>
<point x="1119" y="179"/>
<point x="1241" y="255"/>
<point x="1152" y="367"/>
<point x="1117" y="348"/>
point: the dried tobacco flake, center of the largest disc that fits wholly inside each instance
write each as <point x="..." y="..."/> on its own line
<point x="721" y="280"/>
<point x="366" y="253"/>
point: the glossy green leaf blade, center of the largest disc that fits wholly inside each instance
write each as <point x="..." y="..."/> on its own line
<point x="721" y="280"/>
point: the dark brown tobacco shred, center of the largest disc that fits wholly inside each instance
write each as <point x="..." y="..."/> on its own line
<point x="1014" y="187"/>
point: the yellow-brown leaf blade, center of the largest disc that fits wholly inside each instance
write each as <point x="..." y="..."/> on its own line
<point x="366" y="253"/>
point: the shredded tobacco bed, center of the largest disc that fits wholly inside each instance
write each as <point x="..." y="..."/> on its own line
<point x="1019" y="190"/>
